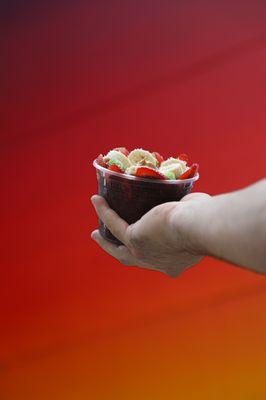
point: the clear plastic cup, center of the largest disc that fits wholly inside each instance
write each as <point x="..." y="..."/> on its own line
<point x="131" y="197"/>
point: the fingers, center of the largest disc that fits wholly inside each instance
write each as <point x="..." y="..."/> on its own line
<point x="121" y="253"/>
<point x="110" y="218"/>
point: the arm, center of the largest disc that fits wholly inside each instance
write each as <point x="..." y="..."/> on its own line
<point x="231" y="227"/>
<point x="174" y="236"/>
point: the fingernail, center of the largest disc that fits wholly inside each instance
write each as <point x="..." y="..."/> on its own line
<point x="94" y="202"/>
<point x="94" y="235"/>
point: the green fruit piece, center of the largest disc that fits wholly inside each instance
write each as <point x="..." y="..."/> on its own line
<point x="170" y="175"/>
<point x="114" y="161"/>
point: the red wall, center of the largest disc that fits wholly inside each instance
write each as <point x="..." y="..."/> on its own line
<point x="79" y="79"/>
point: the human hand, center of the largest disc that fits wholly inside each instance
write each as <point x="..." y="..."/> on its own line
<point x="160" y="240"/>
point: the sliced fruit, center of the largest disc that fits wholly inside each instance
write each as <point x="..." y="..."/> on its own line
<point x="147" y="164"/>
<point x="142" y="157"/>
<point x="183" y="157"/>
<point x="170" y="175"/>
<point x="177" y="168"/>
<point x="147" y="172"/>
<point x="158" y="157"/>
<point x="122" y="150"/>
<point x="115" y="168"/>
<point x="118" y="156"/>
<point x="190" y="172"/>
<point x="100" y="161"/>
<point x="131" y="170"/>
<point x="170" y="161"/>
<point x="114" y="161"/>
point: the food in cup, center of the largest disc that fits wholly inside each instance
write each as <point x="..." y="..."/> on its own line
<point x="135" y="181"/>
<point x="142" y="163"/>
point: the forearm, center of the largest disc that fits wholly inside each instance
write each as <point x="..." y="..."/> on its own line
<point x="231" y="227"/>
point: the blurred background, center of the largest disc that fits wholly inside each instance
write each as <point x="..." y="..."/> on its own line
<point x="81" y="77"/>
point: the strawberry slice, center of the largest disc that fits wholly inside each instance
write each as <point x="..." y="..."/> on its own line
<point x="115" y="168"/>
<point x="183" y="157"/>
<point x="101" y="161"/>
<point x="147" y="172"/>
<point x="158" y="157"/>
<point x="122" y="150"/>
<point x="190" y="173"/>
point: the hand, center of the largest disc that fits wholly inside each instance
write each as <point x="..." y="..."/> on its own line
<point x="159" y="240"/>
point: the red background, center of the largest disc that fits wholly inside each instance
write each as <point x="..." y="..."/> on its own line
<point x="80" y="78"/>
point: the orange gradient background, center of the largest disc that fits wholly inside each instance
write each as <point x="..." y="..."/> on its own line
<point x="80" y="78"/>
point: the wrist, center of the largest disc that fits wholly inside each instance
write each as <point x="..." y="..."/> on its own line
<point x="189" y="220"/>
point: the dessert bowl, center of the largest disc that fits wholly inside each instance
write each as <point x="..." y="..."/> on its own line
<point x="131" y="196"/>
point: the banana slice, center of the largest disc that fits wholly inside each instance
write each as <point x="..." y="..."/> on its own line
<point x="118" y="156"/>
<point x="142" y="157"/>
<point x="170" y="175"/>
<point x="171" y="161"/>
<point x="131" y="170"/>
<point x="176" y="168"/>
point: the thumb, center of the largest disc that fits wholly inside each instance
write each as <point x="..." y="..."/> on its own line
<point x="196" y="196"/>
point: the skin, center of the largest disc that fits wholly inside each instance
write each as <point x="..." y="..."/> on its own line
<point x="174" y="236"/>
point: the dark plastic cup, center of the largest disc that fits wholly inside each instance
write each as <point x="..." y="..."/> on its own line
<point x="131" y="197"/>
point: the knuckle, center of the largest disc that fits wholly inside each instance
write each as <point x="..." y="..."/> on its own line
<point x="173" y="273"/>
<point x="134" y="239"/>
<point x="108" y="215"/>
<point x="124" y="261"/>
<point x="123" y="256"/>
<point x="136" y="243"/>
<point x="137" y="253"/>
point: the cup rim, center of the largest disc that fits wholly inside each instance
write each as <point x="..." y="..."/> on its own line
<point x="138" y="179"/>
